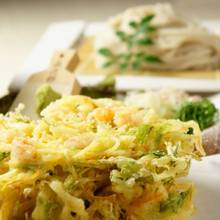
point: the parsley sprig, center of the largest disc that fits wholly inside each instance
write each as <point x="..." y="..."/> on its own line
<point x="141" y="37"/>
<point x="174" y="201"/>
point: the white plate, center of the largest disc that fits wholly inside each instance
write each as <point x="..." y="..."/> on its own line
<point x="205" y="174"/>
<point x="156" y="82"/>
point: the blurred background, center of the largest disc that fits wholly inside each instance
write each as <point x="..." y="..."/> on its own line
<point x="22" y="22"/>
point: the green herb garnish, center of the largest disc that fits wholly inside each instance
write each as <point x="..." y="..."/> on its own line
<point x="45" y="94"/>
<point x="128" y="168"/>
<point x="174" y="202"/>
<point x="141" y="36"/>
<point x="203" y="112"/>
<point x="142" y="131"/>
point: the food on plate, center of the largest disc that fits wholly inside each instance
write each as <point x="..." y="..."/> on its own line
<point x="164" y="102"/>
<point x="45" y="94"/>
<point x="156" y="37"/>
<point x="169" y="103"/>
<point x="96" y="159"/>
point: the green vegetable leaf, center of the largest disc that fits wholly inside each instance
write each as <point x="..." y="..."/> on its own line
<point x="70" y="183"/>
<point x="146" y="41"/>
<point x="123" y="66"/>
<point x="174" y="202"/>
<point x="142" y="132"/>
<point x="147" y="19"/>
<point x="133" y="24"/>
<point x="138" y="58"/>
<point x="108" y="64"/>
<point x="136" y="65"/>
<point x="139" y="37"/>
<point x="122" y="35"/>
<point x="159" y="133"/>
<point x="159" y="153"/>
<point x="148" y="29"/>
<point x="4" y="155"/>
<point x="105" y="52"/>
<point x="152" y="59"/>
<point x="45" y="94"/>
<point x="128" y="168"/>
<point x="203" y="112"/>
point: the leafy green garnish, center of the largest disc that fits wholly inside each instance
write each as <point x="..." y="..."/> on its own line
<point x="70" y="184"/>
<point x="128" y="168"/>
<point x="203" y="112"/>
<point x="141" y="36"/>
<point x="142" y="131"/>
<point x="147" y="19"/>
<point x="152" y="59"/>
<point x="105" y="52"/>
<point x="45" y="94"/>
<point x="174" y="202"/>
<point x="4" y="155"/>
